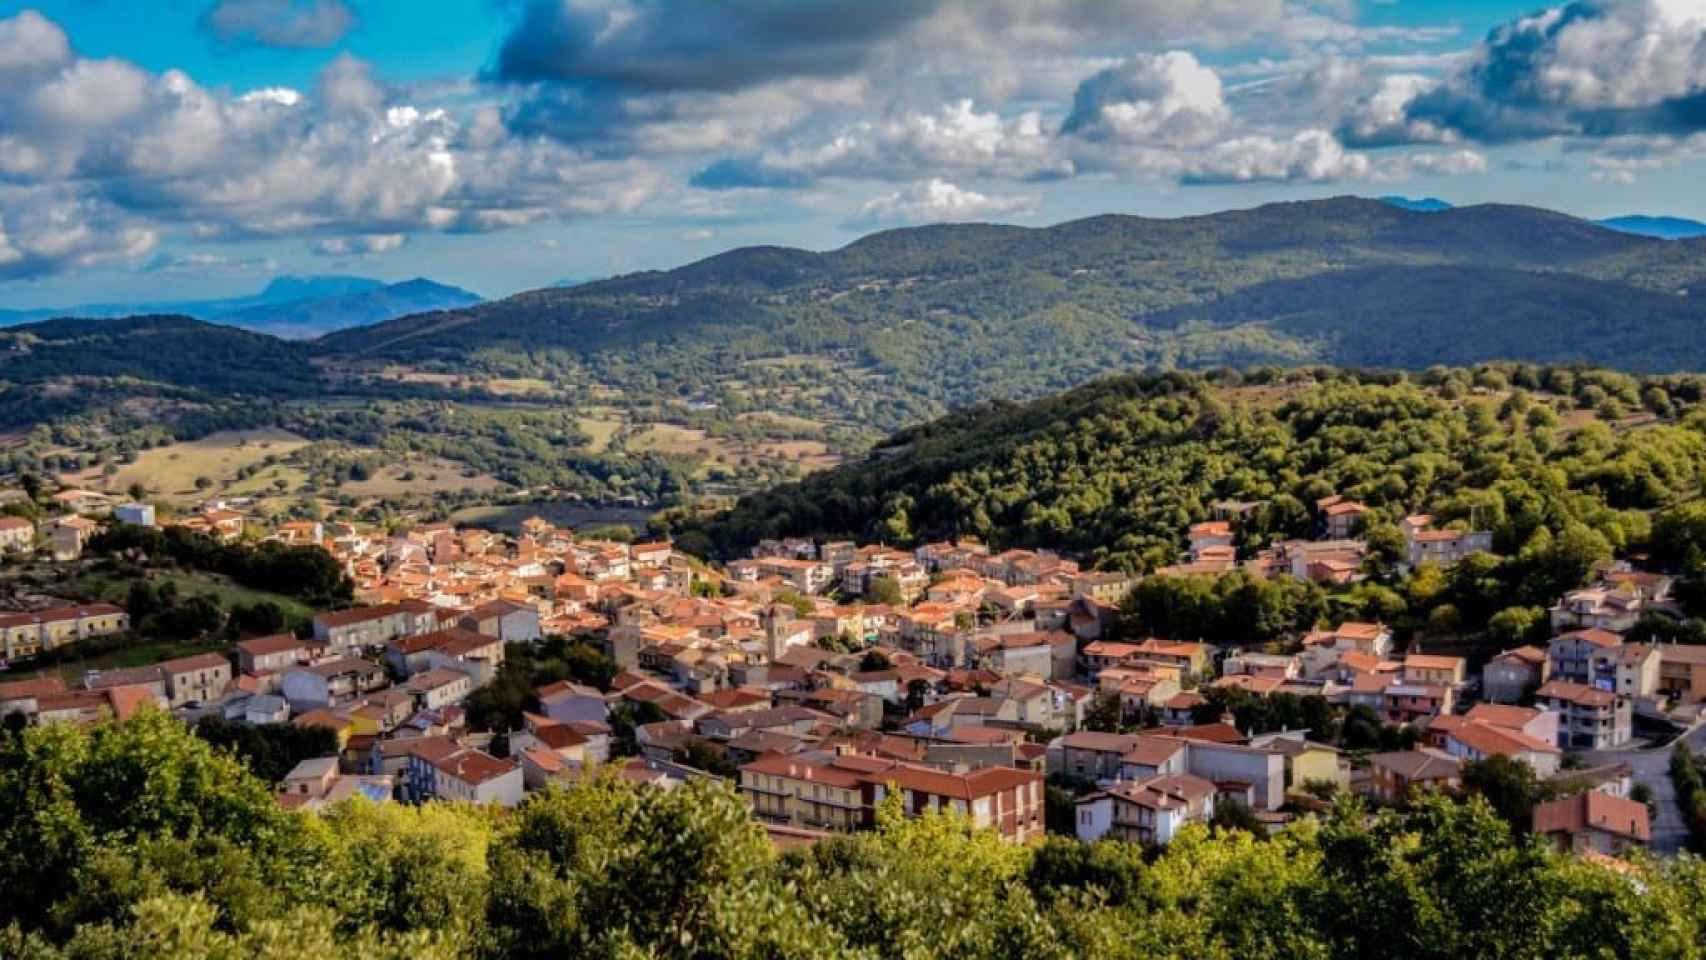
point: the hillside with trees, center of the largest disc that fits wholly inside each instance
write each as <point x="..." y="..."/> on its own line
<point x="1115" y="471"/>
<point x="141" y="840"/>
<point x="946" y="315"/>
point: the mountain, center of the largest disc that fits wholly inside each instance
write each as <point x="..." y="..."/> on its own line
<point x="1664" y="228"/>
<point x="288" y="306"/>
<point x="1421" y="205"/>
<point x="904" y="324"/>
<point x="316" y="315"/>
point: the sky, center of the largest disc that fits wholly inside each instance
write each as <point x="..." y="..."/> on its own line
<point x="172" y="149"/>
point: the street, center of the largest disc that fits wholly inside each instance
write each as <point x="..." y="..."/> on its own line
<point x="1652" y="767"/>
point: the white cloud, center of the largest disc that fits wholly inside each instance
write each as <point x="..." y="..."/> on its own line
<point x="125" y="154"/>
<point x="365" y="244"/>
<point x="937" y="201"/>
<point x="1312" y="155"/>
<point x="1169" y="99"/>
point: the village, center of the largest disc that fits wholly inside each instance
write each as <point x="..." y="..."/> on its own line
<point x="822" y="678"/>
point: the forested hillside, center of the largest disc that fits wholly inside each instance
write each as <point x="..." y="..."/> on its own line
<point x="1116" y="470"/>
<point x="140" y="841"/>
<point x="57" y="367"/>
<point x="940" y="316"/>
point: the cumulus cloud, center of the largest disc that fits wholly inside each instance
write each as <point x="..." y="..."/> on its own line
<point x="365" y="244"/>
<point x="1168" y="98"/>
<point x="108" y="155"/>
<point x="279" y="23"/>
<point x="45" y="230"/>
<point x="1313" y="156"/>
<point x="937" y="201"/>
<point x="1585" y="69"/>
<point x="957" y="138"/>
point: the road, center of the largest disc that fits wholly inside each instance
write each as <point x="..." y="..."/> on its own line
<point x="1652" y="767"/>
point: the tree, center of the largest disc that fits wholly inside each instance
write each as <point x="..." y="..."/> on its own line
<point x="137" y="491"/>
<point x="885" y="589"/>
<point x="1509" y="786"/>
<point x="1104" y="713"/>
<point x="874" y="661"/>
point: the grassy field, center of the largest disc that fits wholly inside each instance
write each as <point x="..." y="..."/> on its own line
<point x="425" y="476"/>
<point x="600" y="429"/>
<point x="189" y="584"/>
<point x="171" y="471"/>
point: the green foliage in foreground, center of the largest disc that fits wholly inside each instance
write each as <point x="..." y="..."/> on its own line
<point x="140" y="840"/>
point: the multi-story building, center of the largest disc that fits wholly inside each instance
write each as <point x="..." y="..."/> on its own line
<point x="17" y="534"/>
<point x="1510" y="675"/>
<point x="1572" y="655"/>
<point x="1149" y="812"/>
<point x="202" y="678"/>
<point x="1589" y="718"/>
<point x="843" y="793"/>
<point x="349" y="631"/>
<point x="26" y="634"/>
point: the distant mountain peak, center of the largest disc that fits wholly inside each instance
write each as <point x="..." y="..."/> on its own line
<point x="288" y="287"/>
<point x="1418" y="205"/>
<point x="1665" y="228"/>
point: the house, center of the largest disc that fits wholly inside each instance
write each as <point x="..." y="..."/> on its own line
<point x="1613" y="606"/>
<point x="1629" y="670"/>
<point x="349" y="631"/>
<point x="1593" y="822"/>
<point x="134" y="514"/>
<point x="1477" y="739"/>
<point x="200" y="679"/>
<point x="1572" y="655"/>
<point x="826" y="794"/>
<point x="271" y="654"/>
<point x="1446" y="548"/>
<point x="475" y="654"/>
<point x="1405" y="702"/>
<point x="1003" y="799"/>
<point x="1591" y="719"/>
<point x="332" y="683"/>
<point x="1512" y="674"/>
<point x="571" y="702"/>
<point x="472" y="776"/>
<point x="69" y="535"/>
<point x="1153" y="756"/>
<point x="508" y="621"/>
<point x="1306" y="761"/>
<point x="26" y="634"/>
<point x="1340" y="517"/>
<point x="17" y="534"/>
<point x="1682" y="672"/>
<point x="82" y="502"/>
<point x="1393" y="775"/>
<point x="1434" y="669"/>
<point x="439" y="687"/>
<point x="1148" y="812"/>
<point x="1090" y="755"/>
<point x="317" y="783"/>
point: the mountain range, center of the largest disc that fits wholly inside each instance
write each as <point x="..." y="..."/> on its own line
<point x="1662" y="228"/>
<point x="289" y="307"/>
<point x="905" y="324"/>
<point x="961" y="313"/>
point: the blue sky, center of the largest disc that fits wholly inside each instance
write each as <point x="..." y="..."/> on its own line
<point x="176" y="148"/>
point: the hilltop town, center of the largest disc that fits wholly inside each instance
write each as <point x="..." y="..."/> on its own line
<point x="820" y="678"/>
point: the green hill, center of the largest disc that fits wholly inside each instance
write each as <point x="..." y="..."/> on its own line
<point x="941" y="316"/>
<point x="1116" y="470"/>
<point x="62" y="366"/>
